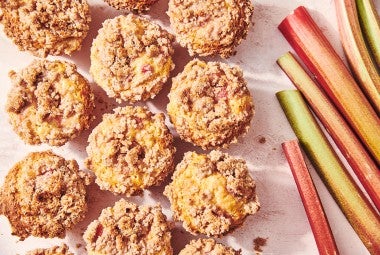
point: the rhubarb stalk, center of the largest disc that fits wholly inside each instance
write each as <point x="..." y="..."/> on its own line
<point x="310" y="199"/>
<point x="370" y="22"/>
<point x="357" y="209"/>
<point x="356" y="51"/>
<point x="319" y="56"/>
<point x="352" y="149"/>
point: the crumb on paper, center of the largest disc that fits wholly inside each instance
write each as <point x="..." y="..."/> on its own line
<point x="258" y="244"/>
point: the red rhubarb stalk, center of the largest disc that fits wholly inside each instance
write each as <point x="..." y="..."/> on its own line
<point x="319" y="56"/>
<point x="353" y="203"/>
<point x="355" y="48"/>
<point x="352" y="149"/>
<point x="310" y="199"/>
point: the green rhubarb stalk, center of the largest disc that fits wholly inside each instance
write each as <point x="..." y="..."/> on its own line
<point x="355" y="48"/>
<point x="357" y="209"/>
<point x="310" y="199"/>
<point x="319" y="56"/>
<point x="370" y="22"/>
<point x="352" y="149"/>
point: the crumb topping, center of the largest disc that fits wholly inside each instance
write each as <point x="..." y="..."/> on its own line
<point x="46" y="27"/>
<point x="210" y="104"/>
<point x="131" y="58"/>
<point x="44" y="195"/>
<point x="49" y="102"/>
<point x="128" y="229"/>
<point x="207" y="247"/>
<point x="212" y="194"/>
<point x="131" y="5"/>
<point x="130" y="150"/>
<point x="210" y="27"/>
<point x="56" y="250"/>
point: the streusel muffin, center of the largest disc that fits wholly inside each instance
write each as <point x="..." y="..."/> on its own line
<point x="207" y="247"/>
<point x="129" y="229"/>
<point x="211" y="27"/>
<point x="44" y="195"/>
<point x="46" y="27"/>
<point x="49" y="102"/>
<point x="131" y="58"/>
<point x="210" y="104"/>
<point x="212" y="193"/>
<point x="130" y="150"/>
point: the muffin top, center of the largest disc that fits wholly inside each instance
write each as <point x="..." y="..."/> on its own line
<point x="129" y="229"/>
<point x="211" y="193"/>
<point x="210" y="104"/>
<point x="131" y="58"/>
<point x="44" y="195"/>
<point x="211" y="27"/>
<point x="49" y="102"/>
<point x="46" y="27"/>
<point x="130" y="150"/>
<point x="207" y="247"/>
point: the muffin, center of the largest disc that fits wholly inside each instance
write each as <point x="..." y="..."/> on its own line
<point x="210" y="104"/>
<point x="130" y="150"/>
<point x="56" y="250"/>
<point x="211" y="27"/>
<point x="211" y="193"/>
<point x="49" y="102"/>
<point x="207" y="247"/>
<point x="44" y="195"/>
<point x="131" y="5"/>
<point x="128" y="229"/>
<point x="131" y="58"/>
<point x="46" y="27"/>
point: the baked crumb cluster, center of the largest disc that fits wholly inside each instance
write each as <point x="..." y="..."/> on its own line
<point x="211" y="27"/>
<point x="130" y="150"/>
<point x="129" y="229"/>
<point x="219" y="193"/>
<point x="46" y="27"/>
<point x="131" y="58"/>
<point x="210" y="104"/>
<point x="131" y="5"/>
<point x="56" y="250"/>
<point x="44" y="195"/>
<point x="207" y="247"/>
<point x="49" y="102"/>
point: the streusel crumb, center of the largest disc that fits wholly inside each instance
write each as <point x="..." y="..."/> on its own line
<point x="56" y="250"/>
<point x="207" y="247"/>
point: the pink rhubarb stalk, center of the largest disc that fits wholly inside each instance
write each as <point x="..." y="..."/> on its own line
<point x="310" y="199"/>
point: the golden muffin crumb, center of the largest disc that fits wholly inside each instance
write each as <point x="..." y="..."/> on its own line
<point x="56" y="250"/>
<point x="211" y="193"/>
<point x="131" y="5"/>
<point x="210" y="104"/>
<point x="211" y="27"/>
<point x="128" y="229"/>
<point x="49" y="102"/>
<point x="131" y="58"/>
<point x="130" y="150"/>
<point x="44" y="195"/>
<point x="46" y="27"/>
<point x="207" y="247"/>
